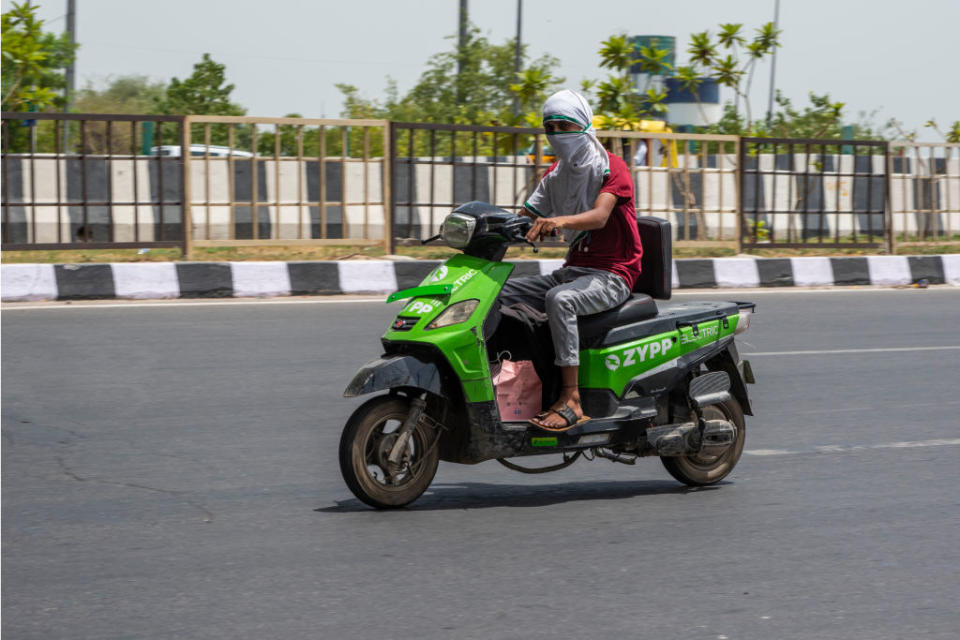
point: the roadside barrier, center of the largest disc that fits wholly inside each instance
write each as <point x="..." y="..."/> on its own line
<point x="136" y="181"/>
<point x="160" y="280"/>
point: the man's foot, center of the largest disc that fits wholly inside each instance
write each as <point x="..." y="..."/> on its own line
<point x="563" y="415"/>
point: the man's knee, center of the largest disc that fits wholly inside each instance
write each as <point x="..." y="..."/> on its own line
<point x="561" y="300"/>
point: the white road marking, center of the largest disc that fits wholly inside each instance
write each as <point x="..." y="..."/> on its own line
<point x="822" y="352"/>
<point x="839" y="448"/>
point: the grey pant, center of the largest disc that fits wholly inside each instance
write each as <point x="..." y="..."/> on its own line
<point x="563" y="295"/>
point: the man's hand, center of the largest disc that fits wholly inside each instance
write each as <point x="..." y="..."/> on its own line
<point x="543" y="227"/>
<point x="595" y="218"/>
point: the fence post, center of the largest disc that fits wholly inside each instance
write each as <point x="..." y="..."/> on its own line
<point x="389" y="206"/>
<point x="891" y="240"/>
<point x="186" y="194"/>
<point x="738" y="180"/>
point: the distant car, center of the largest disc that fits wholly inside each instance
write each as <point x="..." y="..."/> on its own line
<point x="214" y="151"/>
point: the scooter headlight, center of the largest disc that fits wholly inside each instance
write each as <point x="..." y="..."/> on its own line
<point x="458" y="229"/>
<point x="454" y="314"/>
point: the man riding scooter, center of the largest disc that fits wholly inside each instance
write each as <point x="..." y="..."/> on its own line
<point x="588" y="194"/>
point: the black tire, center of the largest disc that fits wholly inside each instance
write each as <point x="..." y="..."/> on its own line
<point x="367" y="438"/>
<point x="698" y="471"/>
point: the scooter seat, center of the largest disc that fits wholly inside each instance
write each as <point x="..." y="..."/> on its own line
<point x="594" y="328"/>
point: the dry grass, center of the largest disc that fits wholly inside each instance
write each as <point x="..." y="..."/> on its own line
<point x="432" y="252"/>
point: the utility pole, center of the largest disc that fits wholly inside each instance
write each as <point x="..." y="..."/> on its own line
<point x="461" y="48"/>
<point x="773" y="63"/>
<point x="68" y="91"/>
<point x="517" y="60"/>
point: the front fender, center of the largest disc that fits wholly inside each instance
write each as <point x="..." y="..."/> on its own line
<point x="390" y="372"/>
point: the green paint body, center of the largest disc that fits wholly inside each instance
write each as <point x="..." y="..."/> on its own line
<point x="613" y="367"/>
<point x="470" y="278"/>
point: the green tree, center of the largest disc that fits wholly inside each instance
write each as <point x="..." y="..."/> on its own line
<point x="952" y="134"/>
<point x="124" y="94"/>
<point x="486" y="87"/>
<point x="619" y="103"/>
<point x="33" y="61"/>
<point x="204" y="92"/>
<point x="736" y="67"/>
<point x="822" y="118"/>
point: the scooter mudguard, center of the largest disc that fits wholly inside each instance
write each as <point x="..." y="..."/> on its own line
<point x="390" y="372"/>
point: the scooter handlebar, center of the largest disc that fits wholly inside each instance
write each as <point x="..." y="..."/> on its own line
<point x="517" y="230"/>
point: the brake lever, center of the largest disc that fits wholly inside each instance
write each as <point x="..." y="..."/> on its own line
<point x="436" y="237"/>
<point x="519" y="235"/>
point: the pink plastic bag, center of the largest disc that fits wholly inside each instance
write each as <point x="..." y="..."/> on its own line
<point x="518" y="390"/>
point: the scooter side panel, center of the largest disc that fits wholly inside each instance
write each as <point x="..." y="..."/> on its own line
<point x="613" y="367"/>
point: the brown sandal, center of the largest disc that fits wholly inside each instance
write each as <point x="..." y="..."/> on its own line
<point x="568" y="415"/>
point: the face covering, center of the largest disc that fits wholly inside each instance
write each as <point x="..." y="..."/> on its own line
<point x="574" y="184"/>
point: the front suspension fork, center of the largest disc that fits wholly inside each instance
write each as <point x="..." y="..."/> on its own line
<point x="417" y="407"/>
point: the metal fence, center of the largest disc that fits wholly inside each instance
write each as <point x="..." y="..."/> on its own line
<point x="813" y="193"/>
<point x="437" y="167"/>
<point x="289" y="181"/>
<point x="130" y="181"/>
<point x="121" y="181"/>
<point x="689" y="179"/>
<point x="924" y="192"/>
<point x="87" y="181"/>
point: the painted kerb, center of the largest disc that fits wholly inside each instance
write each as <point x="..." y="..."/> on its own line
<point x="157" y="280"/>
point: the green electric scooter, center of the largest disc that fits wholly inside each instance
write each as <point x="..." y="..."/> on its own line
<point x="657" y="379"/>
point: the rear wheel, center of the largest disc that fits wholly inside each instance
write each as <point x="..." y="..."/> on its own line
<point x="365" y="446"/>
<point x="699" y="469"/>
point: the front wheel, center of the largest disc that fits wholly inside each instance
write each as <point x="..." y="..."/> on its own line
<point x="698" y="469"/>
<point x="365" y="445"/>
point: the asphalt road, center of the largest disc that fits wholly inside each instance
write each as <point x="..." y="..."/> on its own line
<point x="171" y="472"/>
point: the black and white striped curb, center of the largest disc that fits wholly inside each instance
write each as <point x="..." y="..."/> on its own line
<point x="156" y="280"/>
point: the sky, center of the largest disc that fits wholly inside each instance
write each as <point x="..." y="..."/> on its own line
<point x="885" y="58"/>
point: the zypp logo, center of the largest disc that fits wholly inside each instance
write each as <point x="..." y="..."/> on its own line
<point x="440" y="273"/>
<point x="635" y="355"/>
<point x="418" y="307"/>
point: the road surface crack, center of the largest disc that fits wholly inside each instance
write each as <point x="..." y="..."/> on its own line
<point x="180" y="495"/>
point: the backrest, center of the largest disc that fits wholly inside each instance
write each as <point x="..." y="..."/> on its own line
<point x="656" y="268"/>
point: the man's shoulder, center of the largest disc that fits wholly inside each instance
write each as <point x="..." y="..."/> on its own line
<point x="616" y="163"/>
<point x="619" y="179"/>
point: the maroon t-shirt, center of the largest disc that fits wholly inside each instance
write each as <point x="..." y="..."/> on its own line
<point x="616" y="247"/>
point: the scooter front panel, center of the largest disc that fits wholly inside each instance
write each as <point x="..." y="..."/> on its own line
<point x="462" y="344"/>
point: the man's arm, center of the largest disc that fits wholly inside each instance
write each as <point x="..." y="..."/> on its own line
<point x="595" y="218"/>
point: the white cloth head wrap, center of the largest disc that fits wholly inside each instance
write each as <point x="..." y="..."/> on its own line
<point x="573" y="186"/>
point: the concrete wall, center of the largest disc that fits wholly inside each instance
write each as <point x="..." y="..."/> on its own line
<point x="426" y="195"/>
